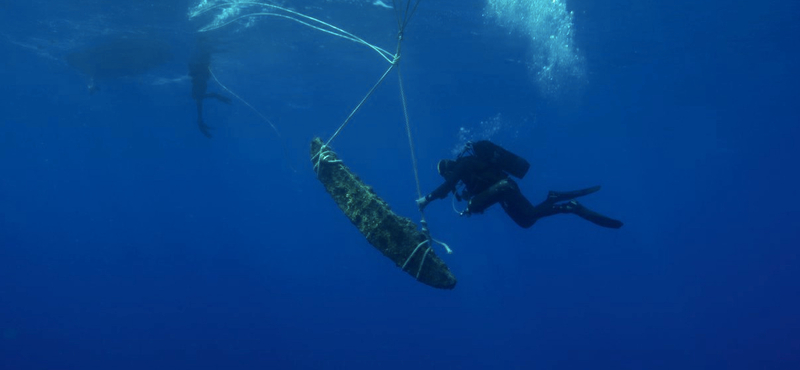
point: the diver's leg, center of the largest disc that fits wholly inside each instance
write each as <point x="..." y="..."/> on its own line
<point x="549" y="207"/>
<point x="519" y="209"/>
<point x="589" y="215"/>
<point x="507" y="193"/>
<point x="560" y="196"/>
<point x="492" y="195"/>
<point x="544" y="209"/>
<point x="205" y="129"/>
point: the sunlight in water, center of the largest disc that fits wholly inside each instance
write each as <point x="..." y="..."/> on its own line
<point x="224" y="11"/>
<point x="555" y="60"/>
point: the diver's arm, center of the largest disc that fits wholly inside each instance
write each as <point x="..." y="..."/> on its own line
<point x="441" y="192"/>
<point x="449" y="185"/>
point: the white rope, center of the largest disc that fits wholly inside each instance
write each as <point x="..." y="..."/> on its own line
<point x="324" y="153"/>
<point x="275" y="129"/>
<point x="336" y="31"/>
<point x="414" y="252"/>
<point x="360" y="104"/>
<point x="408" y="132"/>
<point x="245" y="103"/>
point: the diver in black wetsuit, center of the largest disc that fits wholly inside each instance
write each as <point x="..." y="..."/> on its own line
<point x="483" y="168"/>
<point x="200" y="73"/>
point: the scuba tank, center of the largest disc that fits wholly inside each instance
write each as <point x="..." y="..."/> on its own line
<point x="498" y="156"/>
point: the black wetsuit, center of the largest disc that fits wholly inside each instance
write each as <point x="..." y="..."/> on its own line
<point x="199" y="72"/>
<point x="485" y="185"/>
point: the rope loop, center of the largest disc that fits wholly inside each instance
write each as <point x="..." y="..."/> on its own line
<point x="326" y="155"/>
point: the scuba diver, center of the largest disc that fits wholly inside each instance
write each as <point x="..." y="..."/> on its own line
<point x="484" y="167"/>
<point x="199" y="72"/>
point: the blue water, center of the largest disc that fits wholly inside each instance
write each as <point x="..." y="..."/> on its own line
<point x="128" y="240"/>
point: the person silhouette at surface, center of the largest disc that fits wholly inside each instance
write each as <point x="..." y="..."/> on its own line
<point x="200" y="73"/>
<point x="484" y="167"/>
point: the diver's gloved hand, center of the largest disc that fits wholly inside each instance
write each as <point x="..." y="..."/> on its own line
<point x="422" y="203"/>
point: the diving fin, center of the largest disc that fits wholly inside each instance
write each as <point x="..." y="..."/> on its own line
<point x="592" y="216"/>
<point x="560" y="196"/>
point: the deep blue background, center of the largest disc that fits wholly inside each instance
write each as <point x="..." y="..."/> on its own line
<point x="129" y="241"/>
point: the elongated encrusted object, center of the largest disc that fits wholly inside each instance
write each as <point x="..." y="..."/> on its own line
<point x="395" y="236"/>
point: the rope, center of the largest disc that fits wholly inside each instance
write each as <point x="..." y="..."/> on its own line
<point x="277" y="133"/>
<point x="423" y="222"/>
<point x="406" y="18"/>
<point x="402" y="21"/>
<point x="245" y="103"/>
<point x="409" y="15"/>
<point x="397" y="15"/>
<point x="324" y="155"/>
<point x="372" y="90"/>
<point x="408" y="132"/>
<point x="338" y="31"/>
<point x="423" y="261"/>
<point x="413" y="252"/>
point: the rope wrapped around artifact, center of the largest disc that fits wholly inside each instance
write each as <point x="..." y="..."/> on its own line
<point x="393" y="235"/>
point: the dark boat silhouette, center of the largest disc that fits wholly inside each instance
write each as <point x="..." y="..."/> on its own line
<point x="119" y="58"/>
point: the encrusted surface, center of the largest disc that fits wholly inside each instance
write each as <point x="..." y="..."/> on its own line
<point x="394" y="236"/>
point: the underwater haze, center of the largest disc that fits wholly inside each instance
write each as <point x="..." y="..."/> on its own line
<point x="133" y="237"/>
